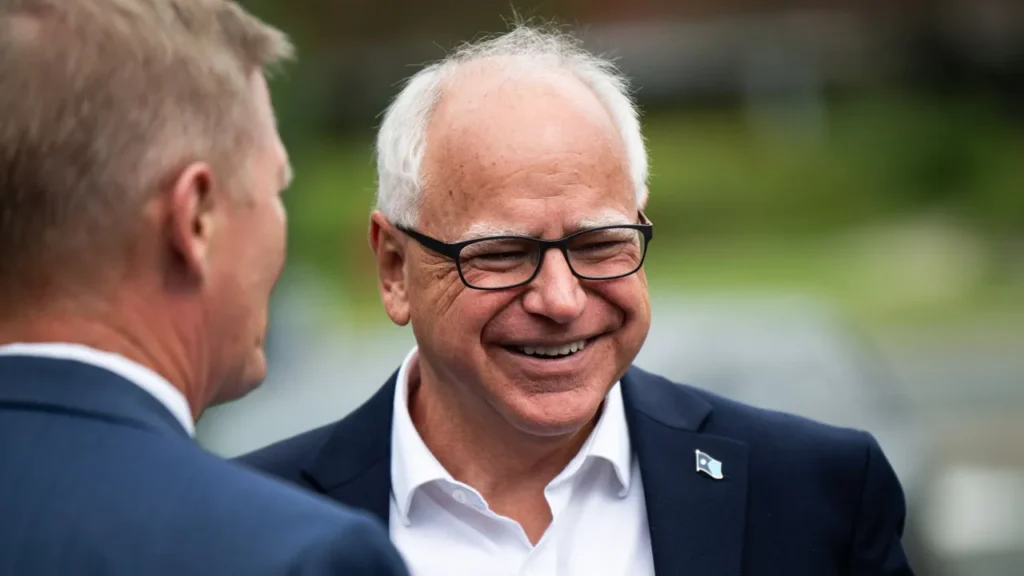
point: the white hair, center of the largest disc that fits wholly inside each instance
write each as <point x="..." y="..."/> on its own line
<point x="402" y="138"/>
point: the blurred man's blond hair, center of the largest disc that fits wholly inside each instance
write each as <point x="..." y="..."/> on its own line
<point x="102" y="101"/>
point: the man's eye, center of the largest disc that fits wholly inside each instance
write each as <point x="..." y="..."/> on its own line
<point x="599" y="246"/>
<point x="501" y="256"/>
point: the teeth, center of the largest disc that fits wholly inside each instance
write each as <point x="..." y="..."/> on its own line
<point x="565" y="350"/>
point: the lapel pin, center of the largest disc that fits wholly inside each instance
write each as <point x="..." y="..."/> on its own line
<point x="709" y="466"/>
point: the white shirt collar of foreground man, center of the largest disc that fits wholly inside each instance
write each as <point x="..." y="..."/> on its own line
<point x="443" y="526"/>
<point x="156" y="385"/>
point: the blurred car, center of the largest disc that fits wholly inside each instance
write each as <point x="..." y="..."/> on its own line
<point x="796" y="355"/>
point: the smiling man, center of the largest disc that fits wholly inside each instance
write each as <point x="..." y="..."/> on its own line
<point x="516" y="438"/>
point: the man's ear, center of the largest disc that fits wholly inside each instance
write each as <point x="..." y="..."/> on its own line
<point x="389" y="250"/>
<point x="641" y="200"/>
<point x="190" y="218"/>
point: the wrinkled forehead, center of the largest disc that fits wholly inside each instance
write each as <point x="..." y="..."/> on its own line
<point x="535" y="154"/>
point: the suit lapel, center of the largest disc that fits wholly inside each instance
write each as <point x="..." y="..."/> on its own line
<point x="370" y="491"/>
<point x="696" y="522"/>
<point x="353" y="466"/>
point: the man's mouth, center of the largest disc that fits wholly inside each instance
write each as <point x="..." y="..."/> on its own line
<point x="551" y="352"/>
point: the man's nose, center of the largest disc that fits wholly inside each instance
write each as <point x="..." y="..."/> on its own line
<point x="555" y="293"/>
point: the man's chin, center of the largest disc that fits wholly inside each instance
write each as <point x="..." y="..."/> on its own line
<point x="247" y="379"/>
<point x="555" y="414"/>
<point x="255" y="370"/>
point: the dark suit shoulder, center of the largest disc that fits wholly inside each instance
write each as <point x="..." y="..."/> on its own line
<point x="796" y="450"/>
<point x="362" y="548"/>
<point x="758" y="427"/>
<point x="270" y="494"/>
<point x="335" y="453"/>
<point x="761" y="426"/>
<point x="842" y="473"/>
<point x="301" y="532"/>
<point x="286" y="458"/>
<point x="278" y="528"/>
<point x="134" y="500"/>
<point x="817" y="492"/>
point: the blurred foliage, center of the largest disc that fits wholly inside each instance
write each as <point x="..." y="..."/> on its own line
<point x="879" y="156"/>
<point x="905" y="203"/>
<point x="740" y="205"/>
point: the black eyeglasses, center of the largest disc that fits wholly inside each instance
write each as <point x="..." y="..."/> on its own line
<point x="503" y="262"/>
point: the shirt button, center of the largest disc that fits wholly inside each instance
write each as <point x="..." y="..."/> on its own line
<point x="460" y="496"/>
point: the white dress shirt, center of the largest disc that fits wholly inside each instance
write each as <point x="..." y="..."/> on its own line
<point x="153" y="383"/>
<point x="443" y="527"/>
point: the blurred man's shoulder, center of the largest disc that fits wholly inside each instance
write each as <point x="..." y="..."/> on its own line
<point x="149" y="489"/>
<point x="361" y="435"/>
<point x="235" y="502"/>
<point x="239" y="490"/>
<point x="286" y="458"/>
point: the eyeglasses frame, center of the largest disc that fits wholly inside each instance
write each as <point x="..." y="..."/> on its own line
<point x="452" y="250"/>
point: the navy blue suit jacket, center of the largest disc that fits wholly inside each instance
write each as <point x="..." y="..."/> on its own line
<point x="97" y="477"/>
<point x="797" y="497"/>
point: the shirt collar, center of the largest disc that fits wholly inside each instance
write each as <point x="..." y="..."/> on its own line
<point x="156" y="385"/>
<point x="610" y="439"/>
<point x="413" y="465"/>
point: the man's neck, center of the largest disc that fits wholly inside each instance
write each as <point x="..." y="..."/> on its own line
<point x="104" y="331"/>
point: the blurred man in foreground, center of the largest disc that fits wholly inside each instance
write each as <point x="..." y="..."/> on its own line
<point x="516" y="438"/>
<point x="142" y="231"/>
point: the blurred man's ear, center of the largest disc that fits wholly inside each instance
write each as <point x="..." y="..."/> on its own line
<point x="190" y="219"/>
<point x="389" y="250"/>
<point x="642" y="199"/>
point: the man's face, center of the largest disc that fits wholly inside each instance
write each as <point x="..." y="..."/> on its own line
<point x="539" y="157"/>
<point x="247" y="258"/>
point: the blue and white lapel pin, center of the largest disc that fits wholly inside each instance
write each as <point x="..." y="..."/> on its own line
<point x="709" y="466"/>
